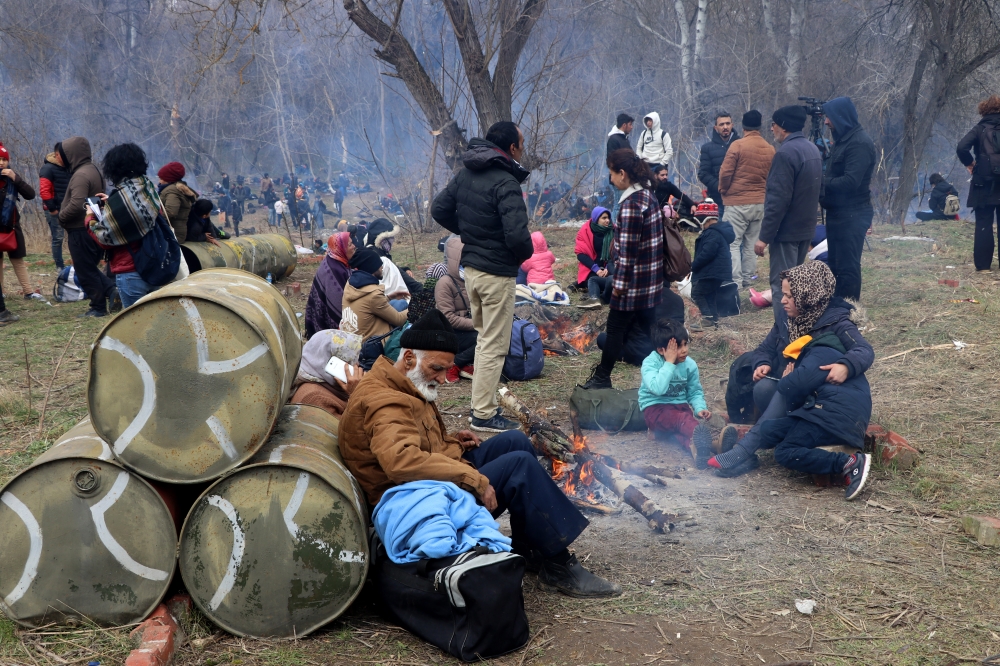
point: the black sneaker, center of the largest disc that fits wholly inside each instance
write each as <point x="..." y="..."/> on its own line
<point x="114" y="301"/>
<point x="573" y="580"/>
<point x="497" y="423"/>
<point x="93" y="313"/>
<point x="8" y="317"/>
<point x="702" y="439"/>
<point x="856" y="474"/>
<point x="730" y="435"/>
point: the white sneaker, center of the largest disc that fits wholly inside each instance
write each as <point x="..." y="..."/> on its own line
<point x="34" y="297"/>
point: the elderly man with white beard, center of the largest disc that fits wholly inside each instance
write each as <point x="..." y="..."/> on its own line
<point x="392" y="433"/>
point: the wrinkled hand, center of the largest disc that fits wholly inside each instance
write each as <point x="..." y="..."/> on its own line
<point x="788" y="369"/>
<point x="760" y="372"/>
<point x="759" y="247"/>
<point x="838" y="373"/>
<point x="705" y="414"/>
<point x="354" y="374"/>
<point x="467" y="439"/>
<point x="669" y="353"/>
<point x="490" y="499"/>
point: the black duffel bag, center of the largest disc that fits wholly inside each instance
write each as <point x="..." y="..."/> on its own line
<point x="470" y="605"/>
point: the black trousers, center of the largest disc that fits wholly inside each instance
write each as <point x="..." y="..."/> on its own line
<point x="845" y="238"/>
<point x="3" y="304"/>
<point x="86" y="256"/>
<point x="984" y="243"/>
<point x="466" y="348"/>
<point x="541" y="516"/>
<point x="704" y="293"/>
<point x="796" y="443"/>
<point x="619" y="324"/>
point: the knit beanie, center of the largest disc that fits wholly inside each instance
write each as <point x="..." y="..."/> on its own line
<point x="432" y="332"/>
<point x="790" y="118"/>
<point x="752" y="119"/>
<point x="3" y="153"/>
<point x="171" y="173"/>
<point x="367" y="260"/>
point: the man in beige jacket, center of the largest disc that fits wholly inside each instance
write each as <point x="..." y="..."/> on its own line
<point x="742" y="183"/>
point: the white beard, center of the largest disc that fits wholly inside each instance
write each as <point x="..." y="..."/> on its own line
<point x="427" y="389"/>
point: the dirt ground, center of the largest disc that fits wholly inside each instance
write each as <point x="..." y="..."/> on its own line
<point x="895" y="579"/>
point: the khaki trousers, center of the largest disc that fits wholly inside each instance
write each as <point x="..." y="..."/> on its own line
<point x="492" y="301"/>
<point x="746" y="220"/>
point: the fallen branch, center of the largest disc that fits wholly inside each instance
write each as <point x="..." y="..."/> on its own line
<point x="547" y="438"/>
<point x="953" y="345"/>
<point x="45" y="403"/>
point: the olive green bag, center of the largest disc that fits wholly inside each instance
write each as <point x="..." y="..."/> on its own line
<point x="607" y="409"/>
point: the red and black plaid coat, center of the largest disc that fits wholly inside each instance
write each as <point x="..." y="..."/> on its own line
<point x="639" y="250"/>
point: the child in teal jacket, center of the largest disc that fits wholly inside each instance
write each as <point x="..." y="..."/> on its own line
<point x="671" y="392"/>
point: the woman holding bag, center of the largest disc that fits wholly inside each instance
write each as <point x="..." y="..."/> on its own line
<point x="11" y="236"/>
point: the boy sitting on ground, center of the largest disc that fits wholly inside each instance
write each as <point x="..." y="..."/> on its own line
<point x="671" y="393"/>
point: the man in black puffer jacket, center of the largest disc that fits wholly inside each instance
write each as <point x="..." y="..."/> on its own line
<point x="713" y="153"/>
<point x="484" y="204"/>
<point x="846" y="194"/>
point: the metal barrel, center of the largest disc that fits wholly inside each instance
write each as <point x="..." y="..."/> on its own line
<point x="82" y="538"/>
<point x="188" y="383"/>
<point x="279" y="547"/>
<point x="259" y="254"/>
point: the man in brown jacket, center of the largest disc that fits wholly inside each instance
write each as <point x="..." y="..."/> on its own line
<point x="367" y="311"/>
<point x="85" y="180"/>
<point x="392" y="433"/>
<point x="742" y="182"/>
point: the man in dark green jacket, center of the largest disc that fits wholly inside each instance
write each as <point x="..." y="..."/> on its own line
<point x="484" y="204"/>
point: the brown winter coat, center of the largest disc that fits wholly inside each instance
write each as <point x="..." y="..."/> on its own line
<point x="450" y="295"/>
<point x="743" y="175"/>
<point x="389" y="435"/>
<point x="177" y="200"/>
<point x="85" y="181"/>
<point x="367" y="311"/>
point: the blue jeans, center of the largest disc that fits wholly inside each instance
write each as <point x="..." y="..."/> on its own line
<point x="795" y="442"/>
<point x="272" y="217"/>
<point x="399" y="304"/>
<point x="596" y="285"/>
<point x="57" y="238"/>
<point x="614" y="209"/>
<point x="131" y="288"/>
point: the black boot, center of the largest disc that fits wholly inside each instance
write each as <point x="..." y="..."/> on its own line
<point x="572" y="579"/>
<point x="598" y="380"/>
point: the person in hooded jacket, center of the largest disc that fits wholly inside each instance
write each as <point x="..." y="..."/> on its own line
<point x="326" y="297"/>
<point x="539" y="265"/>
<point x="366" y="311"/>
<point x="984" y="194"/>
<point x="713" y="153"/>
<point x="452" y="299"/>
<point x="177" y="198"/>
<point x="941" y="189"/>
<point x="593" y="252"/>
<point x="654" y="144"/>
<point x="85" y="181"/>
<point x="846" y="194"/>
<point x="380" y="236"/>
<point x="711" y="266"/>
<point x="53" y="177"/>
<point x="483" y="203"/>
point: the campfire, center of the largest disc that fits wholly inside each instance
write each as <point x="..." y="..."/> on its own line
<point x="563" y="337"/>
<point x="579" y="482"/>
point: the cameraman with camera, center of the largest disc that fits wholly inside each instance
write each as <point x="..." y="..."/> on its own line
<point x="846" y="194"/>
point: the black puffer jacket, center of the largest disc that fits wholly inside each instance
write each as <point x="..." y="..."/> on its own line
<point x="939" y="196"/>
<point x="483" y="203"/>
<point x="984" y="192"/>
<point x="712" y="154"/>
<point x="712" y="259"/>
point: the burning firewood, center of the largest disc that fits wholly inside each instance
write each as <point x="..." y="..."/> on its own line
<point x="547" y="438"/>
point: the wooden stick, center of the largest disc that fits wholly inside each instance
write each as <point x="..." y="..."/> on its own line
<point x="931" y="348"/>
<point x="27" y="366"/>
<point x="659" y="520"/>
<point x="45" y="403"/>
<point x="547" y="438"/>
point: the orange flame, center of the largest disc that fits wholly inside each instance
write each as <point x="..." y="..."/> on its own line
<point x="558" y="469"/>
<point x="586" y="473"/>
<point x="581" y="338"/>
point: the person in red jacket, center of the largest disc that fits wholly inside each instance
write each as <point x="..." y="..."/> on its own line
<point x="53" y="178"/>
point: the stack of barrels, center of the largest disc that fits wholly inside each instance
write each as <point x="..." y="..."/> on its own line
<point x="189" y="462"/>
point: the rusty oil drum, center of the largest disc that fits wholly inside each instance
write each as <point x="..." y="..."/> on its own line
<point x="259" y="254"/>
<point x="82" y="538"/>
<point x="278" y="548"/>
<point x="188" y="382"/>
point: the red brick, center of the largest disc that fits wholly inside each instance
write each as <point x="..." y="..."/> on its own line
<point x="296" y="288"/>
<point x="159" y="635"/>
<point x="890" y="447"/>
<point x="986" y="529"/>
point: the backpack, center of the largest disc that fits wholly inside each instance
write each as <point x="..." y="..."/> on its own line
<point x="525" y="359"/>
<point x="607" y="409"/>
<point x="988" y="162"/>
<point x="371" y="349"/>
<point x="67" y="288"/>
<point x="739" y="390"/>
<point x="676" y="257"/>
<point x="158" y="259"/>
<point x="470" y="605"/>
<point x="951" y="205"/>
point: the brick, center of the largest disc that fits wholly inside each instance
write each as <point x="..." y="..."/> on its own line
<point x="890" y="447"/>
<point x="986" y="529"/>
<point x="296" y="288"/>
<point x="159" y="635"/>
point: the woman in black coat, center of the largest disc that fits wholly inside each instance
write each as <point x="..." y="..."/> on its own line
<point x="984" y="195"/>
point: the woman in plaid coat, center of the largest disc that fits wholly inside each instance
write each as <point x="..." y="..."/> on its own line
<point x="638" y="282"/>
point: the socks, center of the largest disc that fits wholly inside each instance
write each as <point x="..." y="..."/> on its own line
<point x="731" y="458"/>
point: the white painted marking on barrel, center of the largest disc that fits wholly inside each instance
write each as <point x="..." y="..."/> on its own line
<point x="351" y="557"/>
<point x="236" y="557"/>
<point x="148" y="392"/>
<point x="322" y="430"/>
<point x="117" y="551"/>
<point x="225" y="441"/>
<point x="34" y="547"/>
<point x="277" y="334"/>
<point x="295" y="504"/>
<point x="206" y="367"/>
<point x="105" y="449"/>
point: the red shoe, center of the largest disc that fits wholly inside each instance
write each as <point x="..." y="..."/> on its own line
<point x="466" y="371"/>
<point x="453" y="374"/>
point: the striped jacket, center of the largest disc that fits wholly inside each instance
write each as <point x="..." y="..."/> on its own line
<point x="638" y="246"/>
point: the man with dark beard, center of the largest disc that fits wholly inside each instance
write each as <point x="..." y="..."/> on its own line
<point x="392" y="433"/>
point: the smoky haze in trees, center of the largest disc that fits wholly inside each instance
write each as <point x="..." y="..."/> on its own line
<point x="247" y="86"/>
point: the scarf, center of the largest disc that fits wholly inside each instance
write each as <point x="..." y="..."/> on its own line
<point x="336" y="247"/>
<point x="812" y="285"/>
<point x="7" y="213"/>
<point x="598" y="230"/>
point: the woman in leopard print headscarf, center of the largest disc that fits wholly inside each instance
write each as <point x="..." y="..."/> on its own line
<point x="812" y="285"/>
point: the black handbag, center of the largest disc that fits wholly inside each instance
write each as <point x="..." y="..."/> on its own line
<point x="470" y="605"/>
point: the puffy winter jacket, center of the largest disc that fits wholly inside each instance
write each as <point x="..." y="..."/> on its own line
<point x="53" y="178"/>
<point x="484" y="204"/>
<point x="712" y="259"/>
<point x="654" y="144"/>
<point x="450" y="295"/>
<point x="848" y="170"/>
<point x="177" y="200"/>
<point x="85" y="181"/>
<point x="539" y="264"/>
<point x="984" y="191"/>
<point x="713" y="153"/>
<point x="743" y="175"/>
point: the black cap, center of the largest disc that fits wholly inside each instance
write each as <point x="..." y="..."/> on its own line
<point x="752" y="119"/>
<point x="367" y="260"/>
<point x="432" y="332"/>
<point x="790" y="118"/>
